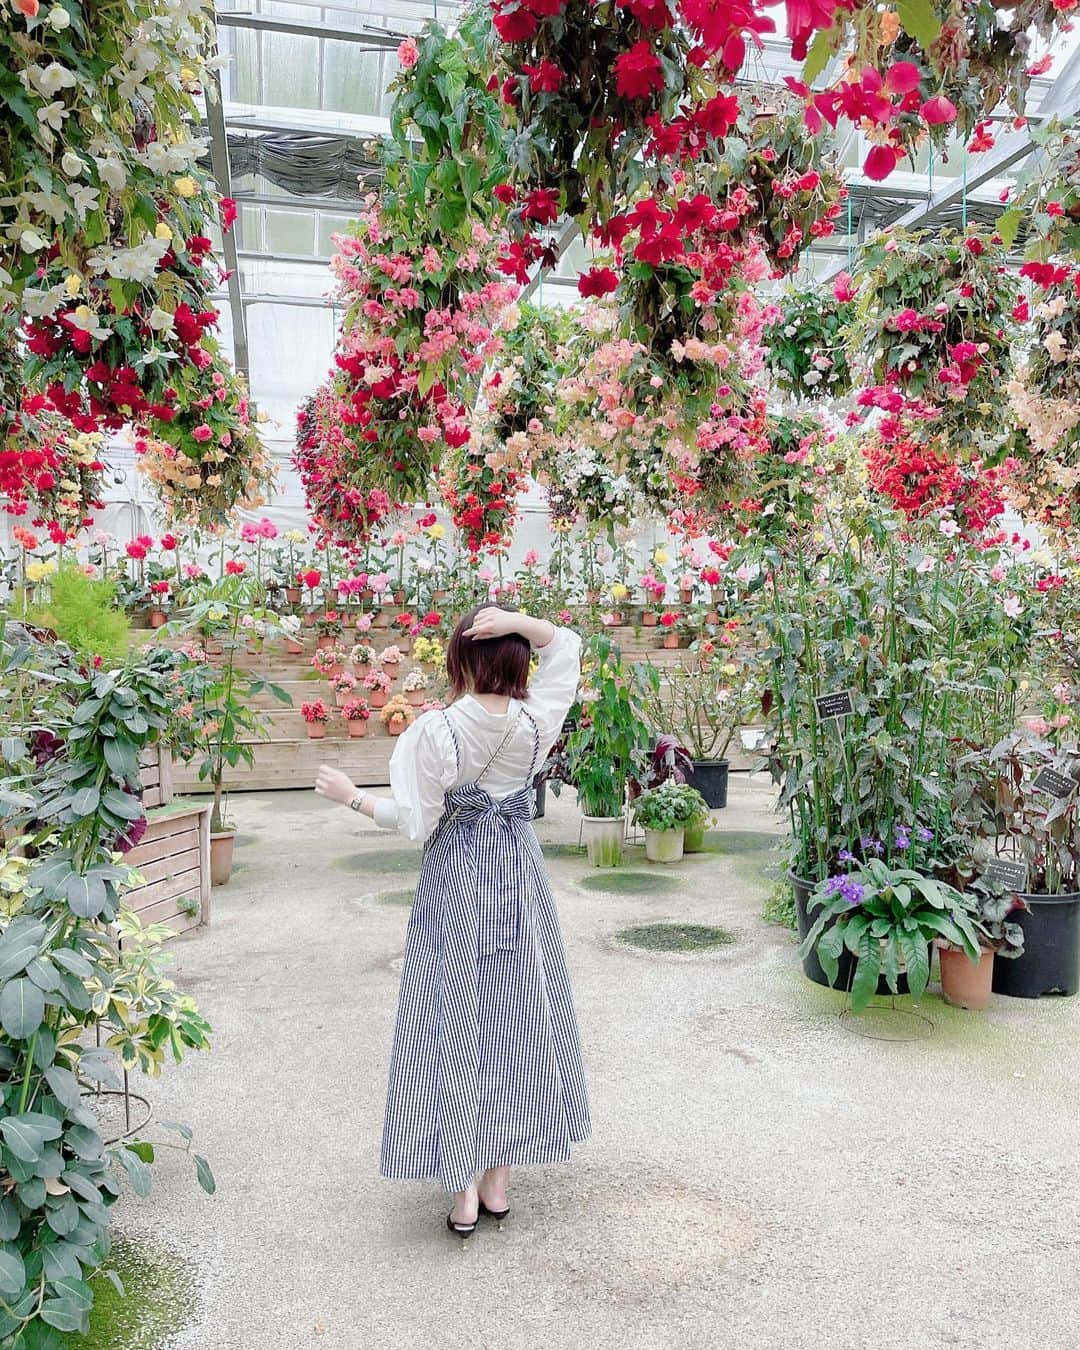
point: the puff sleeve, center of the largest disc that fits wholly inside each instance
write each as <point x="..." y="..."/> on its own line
<point x="422" y="768"/>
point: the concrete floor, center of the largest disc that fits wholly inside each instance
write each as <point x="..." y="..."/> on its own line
<point x="759" y="1178"/>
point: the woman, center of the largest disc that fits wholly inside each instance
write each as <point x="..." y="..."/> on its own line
<point x="486" y="1068"/>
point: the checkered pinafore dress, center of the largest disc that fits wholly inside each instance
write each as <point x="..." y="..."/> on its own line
<point x="486" y="1067"/>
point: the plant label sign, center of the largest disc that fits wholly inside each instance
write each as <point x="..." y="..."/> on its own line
<point x="831" y="707"/>
<point x="1056" y="784"/>
<point x="1011" y="875"/>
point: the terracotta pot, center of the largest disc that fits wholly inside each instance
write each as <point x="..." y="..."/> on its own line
<point x="404" y="645"/>
<point x="398" y="598"/>
<point x="356" y="730"/>
<point x="308" y="621"/>
<point x="378" y="698"/>
<point x="325" y="643"/>
<point x="334" y="672"/>
<point x="396" y="725"/>
<point x="650" y="619"/>
<point x="964" y="984"/>
<point x="671" y="641"/>
<point x="292" y="595"/>
<point x="416" y="697"/>
<point x="439" y="595"/>
<point x="212" y="647"/>
<point x="392" y="668"/>
<point x="367" y="596"/>
<point x="158" y="618"/>
<point x="592" y="597"/>
<point x="380" y="618"/>
<point x="685" y="596"/>
<point x="316" y="731"/>
<point x="340" y="699"/>
<point x="711" y="617"/>
<point x="221" y="856"/>
<point x="717" y="595"/>
<point x="617" y="618"/>
<point x="293" y="647"/>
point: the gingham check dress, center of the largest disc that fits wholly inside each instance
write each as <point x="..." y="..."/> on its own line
<point x="486" y="1066"/>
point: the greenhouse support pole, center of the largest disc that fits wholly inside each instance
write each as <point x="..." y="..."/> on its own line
<point x="219" y="163"/>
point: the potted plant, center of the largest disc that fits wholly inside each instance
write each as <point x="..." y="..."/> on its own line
<point x="160" y="597"/>
<point x="356" y="714"/>
<point x="391" y="661"/>
<point x="225" y="718"/>
<point x="343" y="685"/>
<point x="704" y="705"/>
<point x="669" y="623"/>
<point x="416" y="682"/>
<point x="378" y="684"/>
<point x="699" y="822"/>
<point x="687" y="584"/>
<point x="316" y="715"/>
<point x="663" y="813"/>
<point x="884" y="918"/>
<point x="609" y="742"/>
<point x="328" y="661"/>
<point x="329" y="628"/>
<point x="404" y="623"/>
<point x="362" y="655"/>
<point x="396" y="715"/>
<point x="966" y="983"/>
<point x="290" y="629"/>
<point x="1022" y="799"/>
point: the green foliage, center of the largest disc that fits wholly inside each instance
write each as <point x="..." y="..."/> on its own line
<point x="82" y="612"/>
<point x="81" y="981"/>
<point x="779" y="906"/>
<point x="805" y="348"/>
<point x="612" y="739"/>
<point x="669" y="806"/>
<point x="886" y="917"/>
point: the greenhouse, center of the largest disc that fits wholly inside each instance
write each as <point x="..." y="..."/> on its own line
<point x="539" y="673"/>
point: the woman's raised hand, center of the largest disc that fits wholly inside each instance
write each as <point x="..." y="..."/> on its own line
<point x="494" y="623"/>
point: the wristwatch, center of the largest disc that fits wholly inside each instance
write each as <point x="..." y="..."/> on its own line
<point x="357" y="803"/>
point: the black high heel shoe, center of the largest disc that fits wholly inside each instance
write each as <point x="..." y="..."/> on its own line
<point x="499" y="1215"/>
<point x="462" y="1230"/>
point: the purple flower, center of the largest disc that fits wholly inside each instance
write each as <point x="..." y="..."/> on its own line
<point x="847" y="888"/>
<point x="846" y="855"/>
<point x="924" y="835"/>
<point x="869" y="845"/>
<point x="902" y="840"/>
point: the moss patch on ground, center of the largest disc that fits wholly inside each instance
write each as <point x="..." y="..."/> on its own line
<point x="384" y="861"/>
<point x="159" y="1299"/>
<point x="737" y="841"/>
<point x="563" y="850"/>
<point x="614" y="882"/>
<point x="403" y="897"/>
<point x="676" y="937"/>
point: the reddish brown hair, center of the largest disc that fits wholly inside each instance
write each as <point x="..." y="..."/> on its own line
<point x="488" y="665"/>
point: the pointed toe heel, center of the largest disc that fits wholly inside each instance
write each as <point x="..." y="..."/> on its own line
<point x="464" y="1231"/>
<point x="499" y="1215"/>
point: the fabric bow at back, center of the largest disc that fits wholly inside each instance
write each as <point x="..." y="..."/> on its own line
<point x="492" y="830"/>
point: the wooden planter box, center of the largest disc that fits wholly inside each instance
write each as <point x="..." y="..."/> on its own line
<point x="173" y="856"/>
<point x="155" y="764"/>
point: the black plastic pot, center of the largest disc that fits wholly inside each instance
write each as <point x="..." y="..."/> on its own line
<point x="812" y="969"/>
<point x="1051" y="960"/>
<point x="540" y="786"/>
<point x="710" y="777"/>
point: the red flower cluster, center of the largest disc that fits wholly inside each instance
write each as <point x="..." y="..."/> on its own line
<point x="918" y="479"/>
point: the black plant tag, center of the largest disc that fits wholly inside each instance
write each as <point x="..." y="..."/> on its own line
<point x="831" y="707"/>
<point x="1012" y="876"/>
<point x="1056" y="784"/>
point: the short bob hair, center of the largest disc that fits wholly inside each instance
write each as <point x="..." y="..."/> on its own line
<point x="488" y="665"/>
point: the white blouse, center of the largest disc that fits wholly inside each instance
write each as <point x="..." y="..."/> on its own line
<point x="424" y="764"/>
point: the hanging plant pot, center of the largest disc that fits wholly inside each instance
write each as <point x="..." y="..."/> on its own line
<point x="965" y="984"/>
<point x="604" y="839"/>
<point x="710" y="778"/>
<point x="664" y="846"/>
<point x="356" y="730"/>
<point x="650" y="618"/>
<point x="222" y="844"/>
<point x="316" y="731"/>
<point x="158" y="618"/>
<point x="1051" y="960"/>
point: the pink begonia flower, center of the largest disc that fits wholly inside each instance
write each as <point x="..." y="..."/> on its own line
<point x="997" y="572"/>
<point x="363" y="622"/>
<point x="1012" y="606"/>
<point x="531" y="558"/>
<point x="408" y="53"/>
<point x="202" y="432"/>
<point x="926" y="565"/>
<point x="744" y="573"/>
<point x="267" y="528"/>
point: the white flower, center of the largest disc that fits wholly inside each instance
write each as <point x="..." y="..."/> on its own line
<point x="51" y="79"/>
<point x="85" y="199"/>
<point x="949" y="528"/>
<point x="30" y="241"/>
<point x="53" y="114"/>
<point x="70" y="162"/>
<point x="40" y="304"/>
<point x="111" y="172"/>
<point x="49" y="204"/>
<point x="58" y="19"/>
<point x="161" y="321"/>
<point x="925" y="565"/>
<point x="812" y="377"/>
<point x="1055" y="346"/>
<point x="1012" y="606"/>
<point x="130" y="264"/>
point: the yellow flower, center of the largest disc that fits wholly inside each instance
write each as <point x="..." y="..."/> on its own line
<point x="73" y="284"/>
<point x="185" y="187"/>
<point x="619" y="591"/>
<point x="162" y="231"/>
<point x="661" y="556"/>
<point x="295" y="536"/>
<point x="38" y="571"/>
<point x="436" y="531"/>
<point x="83" y="313"/>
